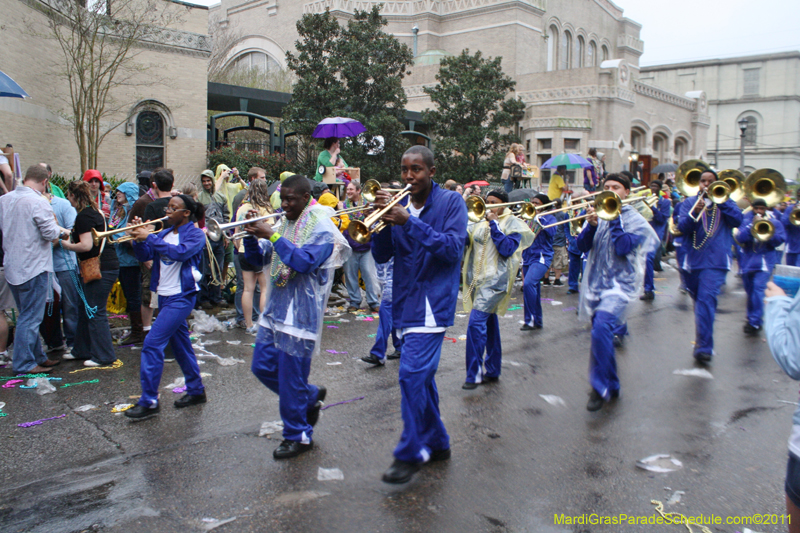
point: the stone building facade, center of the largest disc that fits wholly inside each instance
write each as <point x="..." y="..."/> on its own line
<point x="762" y="89"/>
<point x="158" y="123"/>
<point x="575" y="63"/>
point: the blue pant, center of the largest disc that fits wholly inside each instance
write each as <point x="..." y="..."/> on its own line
<point x="29" y="297"/>
<point x="704" y="285"/>
<point x="483" y="333"/>
<point x="755" y="283"/>
<point x="793" y="259"/>
<point x="237" y="297"/>
<point x="532" y="292"/>
<point x="170" y="327"/>
<point x="508" y="185"/>
<point x="361" y="261"/>
<point x="384" y="330"/>
<point x="423" y="430"/>
<point x="680" y="256"/>
<point x="649" y="284"/>
<point x="603" y="366"/>
<point x="287" y="376"/>
<point x="575" y="270"/>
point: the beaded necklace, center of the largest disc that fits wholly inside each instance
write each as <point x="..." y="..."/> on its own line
<point x="279" y="271"/>
<point x="710" y="229"/>
<point x="358" y="215"/>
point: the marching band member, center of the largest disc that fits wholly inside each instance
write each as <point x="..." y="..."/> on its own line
<point x="427" y="243"/>
<point x="757" y="261"/>
<point x="535" y="263"/>
<point x="301" y="253"/>
<point x="176" y="253"/>
<point x="708" y="242"/>
<point x="792" y="234"/>
<point x="491" y="263"/>
<point x="613" y="275"/>
<point x="659" y="225"/>
<point x="377" y="355"/>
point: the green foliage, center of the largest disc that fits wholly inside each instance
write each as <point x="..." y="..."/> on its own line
<point x="62" y="181"/>
<point x="357" y="72"/>
<point x="245" y="159"/>
<point x="471" y="110"/>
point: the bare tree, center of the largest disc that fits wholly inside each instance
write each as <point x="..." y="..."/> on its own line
<point x="100" y="41"/>
<point x="224" y="37"/>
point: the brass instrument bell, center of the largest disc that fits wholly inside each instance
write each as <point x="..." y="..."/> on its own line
<point x="734" y="179"/>
<point x="762" y="230"/>
<point x="687" y="177"/>
<point x="766" y="184"/>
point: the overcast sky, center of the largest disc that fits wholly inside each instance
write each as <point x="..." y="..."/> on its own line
<point x="686" y="30"/>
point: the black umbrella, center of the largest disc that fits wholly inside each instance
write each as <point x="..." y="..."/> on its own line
<point x="521" y="194"/>
<point x="273" y="187"/>
<point x="665" y="168"/>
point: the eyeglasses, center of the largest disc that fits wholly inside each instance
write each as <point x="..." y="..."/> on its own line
<point x="171" y="210"/>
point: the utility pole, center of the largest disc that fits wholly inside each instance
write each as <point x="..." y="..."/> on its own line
<point x="743" y="127"/>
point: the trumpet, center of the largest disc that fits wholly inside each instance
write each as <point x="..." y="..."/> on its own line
<point x="370" y="190"/>
<point x="476" y="208"/>
<point x="98" y="236"/>
<point x="762" y="229"/>
<point x="217" y="230"/>
<point x="361" y="232"/>
<point x="718" y="192"/>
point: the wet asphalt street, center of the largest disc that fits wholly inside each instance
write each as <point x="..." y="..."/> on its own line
<point x="517" y="460"/>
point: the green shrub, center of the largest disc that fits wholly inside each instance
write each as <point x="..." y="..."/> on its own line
<point x="62" y="181"/>
<point x="245" y="159"/>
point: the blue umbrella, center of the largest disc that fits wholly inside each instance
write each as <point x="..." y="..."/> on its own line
<point x="10" y="88"/>
<point x="338" y="127"/>
<point x="570" y="161"/>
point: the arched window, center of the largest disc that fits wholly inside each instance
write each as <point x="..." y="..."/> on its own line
<point x="257" y="60"/>
<point x="566" y="51"/>
<point x="552" y="48"/>
<point x="751" y="134"/>
<point x="680" y="151"/>
<point x="580" y="52"/>
<point x="592" y="54"/>
<point x="149" y="141"/>
<point x="638" y="139"/>
<point x="605" y="53"/>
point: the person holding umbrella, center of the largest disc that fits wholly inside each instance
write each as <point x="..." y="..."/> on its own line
<point x="329" y="157"/>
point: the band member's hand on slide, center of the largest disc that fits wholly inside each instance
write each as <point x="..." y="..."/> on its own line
<point x="592" y="218"/>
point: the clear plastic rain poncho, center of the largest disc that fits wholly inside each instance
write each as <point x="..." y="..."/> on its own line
<point x="617" y="279"/>
<point x="493" y="276"/>
<point x="295" y="310"/>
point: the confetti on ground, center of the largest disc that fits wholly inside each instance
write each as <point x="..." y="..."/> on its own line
<point x="121" y="407"/>
<point x="335" y="352"/>
<point x="39" y="422"/>
<point x="329" y="474"/>
<point x="332" y="321"/>
<point x="252" y="345"/>
<point x="569" y="309"/>
<point x="462" y="337"/>
<point x="65" y="385"/>
<point x="695" y="372"/>
<point x="179" y="390"/>
<point x="343" y="402"/>
<point x="235" y="343"/>
<point x="344" y="320"/>
<point x="512" y="363"/>
<point x="449" y="339"/>
<point x="554" y="302"/>
<point x="334" y="364"/>
<point x="87" y="407"/>
<point x="547" y="299"/>
<point x="371" y="335"/>
<point x="333" y="327"/>
<point x="117" y="364"/>
<point x="660" y="463"/>
<point x="515" y="308"/>
<point x="11" y="384"/>
<point x="461" y="316"/>
<point x="553" y="399"/>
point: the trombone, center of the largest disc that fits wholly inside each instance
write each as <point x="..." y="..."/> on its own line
<point x="765" y="184"/>
<point x="687" y="177"/>
<point x="734" y="179"/>
<point x="98" y="236"/>
<point x="718" y="192"/>
<point x="476" y="208"/>
<point x="356" y="209"/>
<point x="216" y="230"/>
<point x="607" y="206"/>
<point x="361" y="232"/>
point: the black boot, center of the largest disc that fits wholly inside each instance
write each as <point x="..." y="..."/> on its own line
<point x="136" y="336"/>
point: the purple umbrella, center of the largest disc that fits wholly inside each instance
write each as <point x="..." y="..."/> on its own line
<point x="338" y="127"/>
<point x="571" y="161"/>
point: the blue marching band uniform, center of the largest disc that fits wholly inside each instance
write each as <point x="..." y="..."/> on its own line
<point x="659" y="224"/>
<point x="491" y="263"/>
<point x="707" y="260"/>
<point x="756" y="264"/>
<point x="792" y="236"/>
<point x="174" y="306"/>
<point x="536" y="260"/>
<point x="385" y="329"/>
<point x="427" y="252"/>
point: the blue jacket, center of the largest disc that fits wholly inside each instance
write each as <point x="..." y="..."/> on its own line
<point x="124" y="250"/>
<point x="792" y="231"/>
<point x="427" y="255"/>
<point x="541" y="251"/>
<point x="189" y="252"/>
<point x="716" y="252"/>
<point x="65" y="214"/>
<point x="758" y="256"/>
<point x="624" y="242"/>
<point x="661" y="217"/>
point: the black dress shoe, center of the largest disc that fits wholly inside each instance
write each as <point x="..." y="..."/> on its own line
<point x="595" y="401"/>
<point x="371" y="359"/>
<point x="190" y="399"/>
<point x="440" y="455"/>
<point x="619" y="340"/>
<point x="557" y="283"/>
<point x="291" y="448"/>
<point x="469" y="385"/>
<point x="491" y="379"/>
<point x="572" y="291"/>
<point x="312" y="415"/>
<point x="394" y="355"/>
<point x="140" y="412"/>
<point x="751" y="330"/>
<point x="526" y="327"/>
<point x="400" y="472"/>
<point x="649" y="295"/>
<point x="703" y="358"/>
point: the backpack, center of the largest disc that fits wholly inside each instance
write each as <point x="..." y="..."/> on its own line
<point x="214" y="211"/>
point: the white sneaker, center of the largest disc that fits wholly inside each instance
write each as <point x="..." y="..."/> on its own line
<point x="68" y="354"/>
<point x="253" y="330"/>
<point x="91" y="363"/>
<point x="4" y="358"/>
<point x="169" y="360"/>
<point x="55" y="349"/>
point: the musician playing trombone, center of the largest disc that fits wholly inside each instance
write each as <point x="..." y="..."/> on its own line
<point x="617" y="250"/>
<point x="757" y="259"/>
<point x="659" y="225"/>
<point x="535" y="264"/>
<point x="708" y="238"/>
<point x="491" y="263"/>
